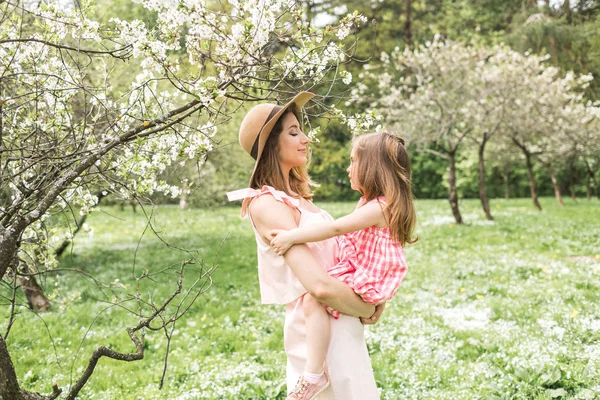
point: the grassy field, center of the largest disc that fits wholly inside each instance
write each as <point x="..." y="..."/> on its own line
<point x="508" y="309"/>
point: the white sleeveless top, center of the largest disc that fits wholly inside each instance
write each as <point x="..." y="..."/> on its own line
<point x="278" y="284"/>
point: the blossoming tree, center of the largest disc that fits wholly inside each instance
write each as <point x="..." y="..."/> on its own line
<point x="429" y="95"/>
<point x="544" y="115"/>
<point x="587" y="142"/>
<point x="69" y="128"/>
<point x="442" y="93"/>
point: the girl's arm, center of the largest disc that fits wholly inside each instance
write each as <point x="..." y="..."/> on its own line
<point x="364" y="217"/>
<point x="372" y="320"/>
<point x="268" y="214"/>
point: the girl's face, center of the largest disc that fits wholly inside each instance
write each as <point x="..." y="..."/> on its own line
<point x="293" y="143"/>
<point x="352" y="170"/>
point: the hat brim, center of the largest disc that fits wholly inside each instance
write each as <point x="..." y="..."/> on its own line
<point x="299" y="100"/>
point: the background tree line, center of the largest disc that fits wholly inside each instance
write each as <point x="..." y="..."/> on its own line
<point x="569" y="33"/>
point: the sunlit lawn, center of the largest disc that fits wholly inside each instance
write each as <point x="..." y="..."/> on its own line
<point x="506" y="309"/>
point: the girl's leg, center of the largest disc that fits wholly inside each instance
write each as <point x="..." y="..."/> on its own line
<point x="317" y="334"/>
<point x="314" y="380"/>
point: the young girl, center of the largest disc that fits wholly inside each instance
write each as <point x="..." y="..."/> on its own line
<point x="371" y="258"/>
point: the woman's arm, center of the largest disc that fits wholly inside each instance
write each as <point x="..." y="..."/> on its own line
<point x="324" y="288"/>
<point x="268" y="214"/>
<point x="364" y="217"/>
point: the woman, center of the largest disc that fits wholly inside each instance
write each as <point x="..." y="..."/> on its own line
<point x="279" y="198"/>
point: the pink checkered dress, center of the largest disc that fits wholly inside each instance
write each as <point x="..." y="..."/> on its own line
<point x="370" y="262"/>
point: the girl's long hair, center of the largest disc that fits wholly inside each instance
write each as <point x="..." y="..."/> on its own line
<point x="268" y="171"/>
<point x="383" y="169"/>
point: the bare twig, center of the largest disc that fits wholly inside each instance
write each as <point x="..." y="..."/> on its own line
<point x="104" y="351"/>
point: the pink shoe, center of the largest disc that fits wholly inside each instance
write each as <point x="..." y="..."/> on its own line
<point x="305" y="390"/>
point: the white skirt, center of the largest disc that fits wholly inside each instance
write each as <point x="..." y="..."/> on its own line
<point x="347" y="363"/>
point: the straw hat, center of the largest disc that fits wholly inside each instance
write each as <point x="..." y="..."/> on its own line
<point x="260" y="120"/>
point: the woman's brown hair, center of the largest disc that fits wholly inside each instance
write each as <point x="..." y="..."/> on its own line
<point x="383" y="169"/>
<point x="268" y="171"/>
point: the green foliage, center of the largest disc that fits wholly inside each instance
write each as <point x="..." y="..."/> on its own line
<point x="428" y="174"/>
<point x="465" y="20"/>
<point x="104" y="10"/>
<point x="330" y="159"/>
<point x="498" y="310"/>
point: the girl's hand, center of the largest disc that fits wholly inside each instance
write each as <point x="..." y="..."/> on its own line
<point x="281" y="240"/>
<point x="372" y="320"/>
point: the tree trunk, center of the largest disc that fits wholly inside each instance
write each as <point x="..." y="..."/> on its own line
<point x="453" y="194"/>
<point x="183" y="200"/>
<point x="407" y="22"/>
<point x="63" y="246"/>
<point x="482" y="192"/>
<point x="131" y="203"/>
<point x="32" y="290"/>
<point x="9" y="244"/>
<point x="591" y="178"/>
<point x="310" y="14"/>
<point x="567" y="9"/>
<point x="9" y="385"/>
<point x="588" y="181"/>
<point x="507" y="181"/>
<point x="553" y="51"/>
<point x="554" y="183"/>
<point x="572" y="174"/>
<point x="534" y="194"/>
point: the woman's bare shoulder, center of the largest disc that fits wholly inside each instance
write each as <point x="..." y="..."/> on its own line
<point x="266" y="209"/>
<point x="264" y="202"/>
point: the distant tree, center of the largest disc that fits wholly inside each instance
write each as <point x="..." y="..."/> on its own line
<point x="503" y="157"/>
<point x="424" y="97"/>
<point x="540" y="117"/>
<point x="568" y="31"/>
<point x="442" y="93"/>
<point x="581" y="129"/>
<point x="495" y="83"/>
<point x="408" y="22"/>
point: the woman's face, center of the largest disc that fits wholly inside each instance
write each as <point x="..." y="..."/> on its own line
<point x="293" y="143"/>
<point x="352" y="170"/>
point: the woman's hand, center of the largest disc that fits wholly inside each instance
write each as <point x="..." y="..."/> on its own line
<point x="281" y="240"/>
<point x="372" y="320"/>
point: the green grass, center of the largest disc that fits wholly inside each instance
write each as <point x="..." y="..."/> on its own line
<point x="489" y="310"/>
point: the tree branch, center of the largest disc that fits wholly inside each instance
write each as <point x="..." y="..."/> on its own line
<point x="104" y="351"/>
<point x="114" y="53"/>
<point x="434" y="152"/>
